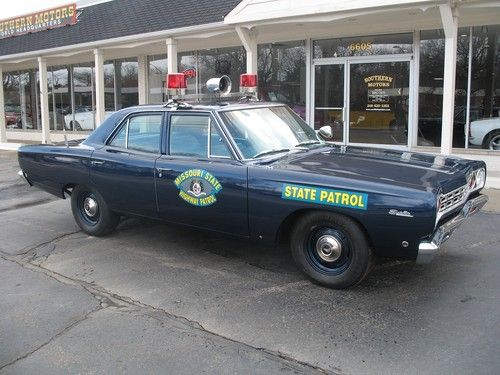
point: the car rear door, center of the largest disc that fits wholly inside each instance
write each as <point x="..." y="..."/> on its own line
<point x="198" y="181"/>
<point x="123" y="171"/>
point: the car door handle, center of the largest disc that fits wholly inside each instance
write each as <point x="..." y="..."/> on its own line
<point x="163" y="170"/>
<point x="97" y="162"/>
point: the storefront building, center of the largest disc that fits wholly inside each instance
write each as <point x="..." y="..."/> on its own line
<point x="413" y="75"/>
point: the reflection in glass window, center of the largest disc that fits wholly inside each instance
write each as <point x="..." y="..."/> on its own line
<point x="364" y="46"/>
<point x="156" y="79"/>
<point x="189" y="135"/>
<point x="141" y="133"/>
<point x="59" y="97"/>
<point x="260" y="131"/>
<point x="144" y="133"/>
<point x="282" y="74"/>
<point x="217" y="146"/>
<point x="20" y="100"/>
<point x="484" y="85"/>
<point x="212" y="63"/>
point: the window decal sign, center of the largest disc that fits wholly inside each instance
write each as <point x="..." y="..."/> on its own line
<point x="379" y="87"/>
<point x="198" y="187"/>
<point x="330" y="197"/>
<point x="42" y="20"/>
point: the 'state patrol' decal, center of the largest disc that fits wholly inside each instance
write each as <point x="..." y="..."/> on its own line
<point x="325" y="196"/>
<point x="198" y="187"/>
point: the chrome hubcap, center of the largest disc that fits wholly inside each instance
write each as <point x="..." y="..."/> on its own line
<point x="495" y="143"/>
<point x="90" y="207"/>
<point x="328" y="248"/>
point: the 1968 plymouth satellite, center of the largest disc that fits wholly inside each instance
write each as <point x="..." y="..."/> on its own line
<point x="256" y="170"/>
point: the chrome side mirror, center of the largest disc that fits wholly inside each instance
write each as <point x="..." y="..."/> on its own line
<point x="325" y="132"/>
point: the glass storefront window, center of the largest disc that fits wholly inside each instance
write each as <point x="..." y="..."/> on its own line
<point x="282" y="74"/>
<point x="212" y="63"/>
<point x="109" y="86"/>
<point x="364" y="46"/>
<point x="221" y="61"/>
<point x="59" y="97"/>
<point x="20" y="100"/>
<point x="476" y="97"/>
<point x="126" y="83"/>
<point x="82" y="116"/>
<point x="156" y="78"/>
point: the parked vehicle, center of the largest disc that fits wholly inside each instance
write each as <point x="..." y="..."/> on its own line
<point x="83" y="119"/>
<point x="486" y="133"/>
<point x="256" y="170"/>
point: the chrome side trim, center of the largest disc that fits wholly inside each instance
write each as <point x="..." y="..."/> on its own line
<point x="428" y="249"/>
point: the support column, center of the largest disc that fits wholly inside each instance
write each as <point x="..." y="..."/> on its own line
<point x="172" y="55"/>
<point x="450" y="25"/>
<point x="100" y="111"/>
<point x="249" y="40"/>
<point x="142" y="76"/>
<point x="3" y="132"/>
<point x="44" y="99"/>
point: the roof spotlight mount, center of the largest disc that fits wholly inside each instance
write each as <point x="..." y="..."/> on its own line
<point x="221" y="86"/>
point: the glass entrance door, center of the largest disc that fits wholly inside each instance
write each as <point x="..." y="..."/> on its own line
<point x="378" y="102"/>
<point x="329" y="99"/>
<point x="363" y="101"/>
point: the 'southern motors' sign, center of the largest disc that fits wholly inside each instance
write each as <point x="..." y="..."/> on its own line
<point x="43" y="20"/>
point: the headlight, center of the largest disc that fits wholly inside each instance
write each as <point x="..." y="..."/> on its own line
<point x="480" y="178"/>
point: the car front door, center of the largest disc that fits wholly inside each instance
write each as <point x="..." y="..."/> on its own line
<point x="198" y="181"/>
<point x="123" y="170"/>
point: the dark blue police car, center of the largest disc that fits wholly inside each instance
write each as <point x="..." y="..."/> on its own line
<point x="257" y="170"/>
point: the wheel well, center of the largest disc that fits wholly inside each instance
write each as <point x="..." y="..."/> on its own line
<point x="283" y="235"/>
<point x="67" y="190"/>
<point x="488" y="135"/>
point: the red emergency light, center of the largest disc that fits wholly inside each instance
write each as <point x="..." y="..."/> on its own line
<point x="176" y="83"/>
<point x="248" y="82"/>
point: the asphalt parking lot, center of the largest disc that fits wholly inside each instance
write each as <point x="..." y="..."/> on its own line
<point x="152" y="298"/>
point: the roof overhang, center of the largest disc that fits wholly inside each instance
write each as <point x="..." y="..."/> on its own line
<point x="252" y="13"/>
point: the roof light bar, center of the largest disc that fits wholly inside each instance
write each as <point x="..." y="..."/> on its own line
<point x="176" y="84"/>
<point x="248" y="83"/>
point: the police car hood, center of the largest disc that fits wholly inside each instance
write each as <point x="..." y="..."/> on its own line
<point x="413" y="170"/>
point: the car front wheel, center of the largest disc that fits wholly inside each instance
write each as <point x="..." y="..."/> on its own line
<point x="492" y="141"/>
<point x="331" y="249"/>
<point x="91" y="212"/>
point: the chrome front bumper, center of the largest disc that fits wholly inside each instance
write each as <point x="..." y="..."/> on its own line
<point x="428" y="249"/>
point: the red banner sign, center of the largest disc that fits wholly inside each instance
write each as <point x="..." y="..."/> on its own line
<point x="189" y="73"/>
<point x="43" y="20"/>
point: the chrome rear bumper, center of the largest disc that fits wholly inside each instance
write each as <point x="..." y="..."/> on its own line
<point x="428" y="249"/>
<point x="24" y="177"/>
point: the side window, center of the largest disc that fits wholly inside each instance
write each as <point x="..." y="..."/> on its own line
<point x="141" y="133"/>
<point x="217" y="146"/>
<point x="189" y="135"/>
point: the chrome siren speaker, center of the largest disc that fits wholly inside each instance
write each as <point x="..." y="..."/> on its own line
<point x="221" y="86"/>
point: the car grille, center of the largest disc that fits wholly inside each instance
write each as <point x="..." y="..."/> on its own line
<point x="452" y="199"/>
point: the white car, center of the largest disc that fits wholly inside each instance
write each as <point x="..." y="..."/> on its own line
<point x="485" y="133"/>
<point x="83" y="119"/>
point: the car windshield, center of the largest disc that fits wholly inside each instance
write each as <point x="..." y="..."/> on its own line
<point x="264" y="131"/>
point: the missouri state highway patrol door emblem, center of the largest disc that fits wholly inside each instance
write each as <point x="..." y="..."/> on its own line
<point x="198" y="187"/>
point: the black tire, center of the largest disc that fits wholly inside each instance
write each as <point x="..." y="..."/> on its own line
<point x="493" y="136"/>
<point x="96" y="220"/>
<point x="78" y="127"/>
<point x="331" y="267"/>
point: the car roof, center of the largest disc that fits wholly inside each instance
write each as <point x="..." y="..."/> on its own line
<point x="207" y="106"/>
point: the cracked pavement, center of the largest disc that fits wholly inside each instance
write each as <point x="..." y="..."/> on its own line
<point x="152" y="298"/>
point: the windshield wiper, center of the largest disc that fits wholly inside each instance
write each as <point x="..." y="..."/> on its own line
<point x="307" y="143"/>
<point x="269" y="152"/>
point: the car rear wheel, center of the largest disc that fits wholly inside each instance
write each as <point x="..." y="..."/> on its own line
<point x="91" y="212"/>
<point x="331" y="249"/>
<point x="492" y="141"/>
